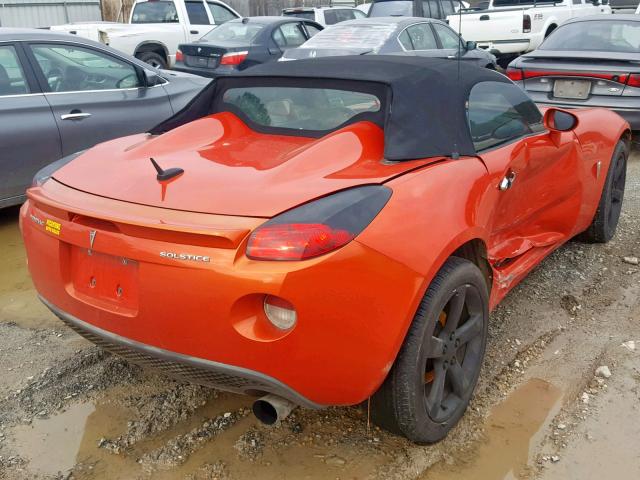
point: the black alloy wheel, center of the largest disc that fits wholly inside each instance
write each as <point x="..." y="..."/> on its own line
<point x="605" y="221"/>
<point x="432" y="380"/>
<point x="453" y="353"/>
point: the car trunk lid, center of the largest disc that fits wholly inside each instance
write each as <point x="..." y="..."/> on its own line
<point x="203" y="55"/>
<point x="232" y="170"/>
<point x="576" y="78"/>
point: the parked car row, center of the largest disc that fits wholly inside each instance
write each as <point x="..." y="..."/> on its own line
<point x="506" y="28"/>
<point x="157" y="27"/>
<point x="244" y="43"/>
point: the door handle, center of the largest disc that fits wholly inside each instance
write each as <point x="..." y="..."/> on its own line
<point x="194" y="32"/>
<point x="507" y="182"/>
<point x="75" y="116"/>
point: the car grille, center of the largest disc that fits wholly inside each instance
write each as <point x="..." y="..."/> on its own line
<point x="201" y="62"/>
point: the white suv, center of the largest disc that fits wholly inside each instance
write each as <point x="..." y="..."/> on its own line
<point x="325" y="15"/>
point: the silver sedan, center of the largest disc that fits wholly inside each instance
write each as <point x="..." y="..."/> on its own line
<point x="60" y="94"/>
<point x="426" y="37"/>
<point x="587" y="62"/>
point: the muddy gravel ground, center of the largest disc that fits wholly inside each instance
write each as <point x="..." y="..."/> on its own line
<point x="545" y="407"/>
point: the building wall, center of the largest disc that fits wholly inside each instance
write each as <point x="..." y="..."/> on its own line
<point x="44" y="13"/>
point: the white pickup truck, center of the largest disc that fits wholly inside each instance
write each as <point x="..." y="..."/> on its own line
<point x="156" y="28"/>
<point x="511" y="27"/>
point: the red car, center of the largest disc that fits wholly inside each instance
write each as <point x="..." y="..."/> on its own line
<point x="324" y="231"/>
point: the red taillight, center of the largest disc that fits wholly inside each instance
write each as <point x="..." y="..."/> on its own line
<point x="526" y="24"/>
<point x="235" y="58"/>
<point x="179" y="56"/>
<point x="634" y="80"/>
<point x="295" y="241"/>
<point x="614" y="77"/>
<point x="514" y="74"/>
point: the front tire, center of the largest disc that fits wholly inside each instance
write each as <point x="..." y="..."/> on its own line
<point x="431" y="382"/>
<point x="605" y="221"/>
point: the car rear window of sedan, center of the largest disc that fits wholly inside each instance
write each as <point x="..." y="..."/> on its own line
<point x="299" y="108"/>
<point x="234" y="32"/>
<point x="603" y="36"/>
<point x="371" y="36"/>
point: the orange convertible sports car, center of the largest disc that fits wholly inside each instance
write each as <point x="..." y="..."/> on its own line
<point x="324" y="231"/>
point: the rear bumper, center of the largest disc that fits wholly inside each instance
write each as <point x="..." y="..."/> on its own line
<point x="354" y="305"/>
<point x="627" y="107"/>
<point x="206" y="72"/>
<point x="196" y="370"/>
<point x="505" y="47"/>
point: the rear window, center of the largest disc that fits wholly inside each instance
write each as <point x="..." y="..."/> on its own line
<point x="234" y="32"/>
<point x="391" y="8"/>
<point x="157" y="11"/>
<point x="370" y="37"/>
<point x="298" y="108"/>
<point x="308" y="15"/>
<point x="603" y="36"/>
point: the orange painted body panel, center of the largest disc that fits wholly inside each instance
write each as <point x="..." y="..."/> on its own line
<point x="354" y="304"/>
<point x="231" y="170"/>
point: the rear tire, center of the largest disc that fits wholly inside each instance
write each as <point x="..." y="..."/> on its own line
<point x="605" y="221"/>
<point x="431" y="382"/>
<point x="154" y="59"/>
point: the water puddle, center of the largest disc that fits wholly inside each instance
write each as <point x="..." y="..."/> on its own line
<point x="51" y="445"/>
<point x="512" y="429"/>
<point x="69" y="442"/>
<point x="18" y="300"/>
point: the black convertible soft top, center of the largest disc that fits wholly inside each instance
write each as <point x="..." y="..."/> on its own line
<point x="426" y="114"/>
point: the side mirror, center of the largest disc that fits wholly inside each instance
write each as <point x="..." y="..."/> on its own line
<point x="152" y="78"/>
<point x="471" y="45"/>
<point x="560" y="120"/>
<point x="275" y="51"/>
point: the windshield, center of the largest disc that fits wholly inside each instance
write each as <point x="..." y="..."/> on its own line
<point x="391" y="8"/>
<point x="308" y="15"/>
<point x="368" y="37"/>
<point x="299" y="108"/>
<point x="235" y="31"/>
<point x="157" y="11"/>
<point x="603" y="36"/>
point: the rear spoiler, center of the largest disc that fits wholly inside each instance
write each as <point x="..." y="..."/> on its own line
<point x="587" y="55"/>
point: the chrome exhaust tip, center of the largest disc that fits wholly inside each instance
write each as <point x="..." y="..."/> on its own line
<point x="271" y="409"/>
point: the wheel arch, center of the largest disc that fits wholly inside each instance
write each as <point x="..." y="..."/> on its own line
<point x="152" y="46"/>
<point x="627" y="138"/>
<point x="550" y="28"/>
<point x="475" y="250"/>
